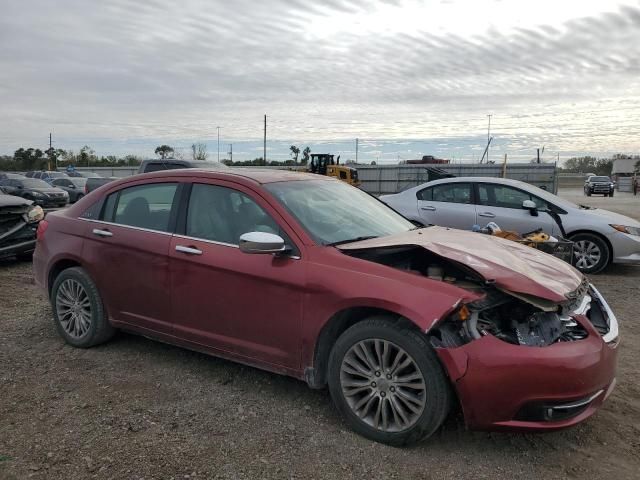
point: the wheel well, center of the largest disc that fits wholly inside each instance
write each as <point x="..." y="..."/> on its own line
<point x="316" y="377"/>
<point x="600" y="236"/>
<point x="57" y="269"/>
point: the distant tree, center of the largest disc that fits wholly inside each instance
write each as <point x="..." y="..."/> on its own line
<point x="87" y="157"/>
<point x="164" y="151"/>
<point x="132" y="160"/>
<point x="199" y="151"/>
<point x="305" y="155"/>
<point x="295" y="151"/>
<point x="29" y="159"/>
<point x="637" y="166"/>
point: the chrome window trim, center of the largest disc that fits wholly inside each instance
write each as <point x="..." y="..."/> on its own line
<point x="132" y="227"/>
<point x="224" y="244"/>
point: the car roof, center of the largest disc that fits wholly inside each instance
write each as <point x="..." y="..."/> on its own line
<point x="255" y="175"/>
<point x="500" y="181"/>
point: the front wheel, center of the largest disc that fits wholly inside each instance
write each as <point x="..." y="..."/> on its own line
<point x="78" y="311"/>
<point x="611" y="194"/>
<point x="387" y="382"/>
<point x="591" y="253"/>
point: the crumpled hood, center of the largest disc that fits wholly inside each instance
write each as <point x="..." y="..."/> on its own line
<point x="513" y="267"/>
<point x="13" y="201"/>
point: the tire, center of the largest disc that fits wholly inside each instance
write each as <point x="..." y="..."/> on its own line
<point x="71" y="320"/>
<point x="611" y="194"/>
<point x="588" y="193"/>
<point x="424" y="372"/>
<point x="586" y="245"/>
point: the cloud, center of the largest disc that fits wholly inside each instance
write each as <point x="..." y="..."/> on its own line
<point x="558" y="73"/>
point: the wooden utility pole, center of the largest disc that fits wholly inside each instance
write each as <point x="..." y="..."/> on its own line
<point x="264" y="156"/>
<point x="356" y="150"/>
<point x="231" y="152"/>
<point x="538" y="150"/>
<point x="504" y="167"/>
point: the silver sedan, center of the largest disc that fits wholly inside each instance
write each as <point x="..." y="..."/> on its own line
<point x="601" y="237"/>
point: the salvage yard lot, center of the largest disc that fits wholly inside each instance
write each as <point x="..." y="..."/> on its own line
<point x="134" y="408"/>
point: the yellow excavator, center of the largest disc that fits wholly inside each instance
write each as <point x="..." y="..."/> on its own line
<point x="324" y="164"/>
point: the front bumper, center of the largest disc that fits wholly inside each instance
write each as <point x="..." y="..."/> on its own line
<point x="22" y="239"/>
<point x="502" y="386"/>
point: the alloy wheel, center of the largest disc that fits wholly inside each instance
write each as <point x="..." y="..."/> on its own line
<point x="383" y="385"/>
<point x="587" y="254"/>
<point x="73" y="307"/>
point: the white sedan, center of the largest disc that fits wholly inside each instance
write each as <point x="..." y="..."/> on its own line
<point x="601" y="237"/>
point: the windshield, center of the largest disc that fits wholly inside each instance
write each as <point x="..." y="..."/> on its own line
<point x="334" y="212"/>
<point x="34" y="183"/>
<point x="600" y="179"/>
<point x="78" y="181"/>
<point x="57" y="175"/>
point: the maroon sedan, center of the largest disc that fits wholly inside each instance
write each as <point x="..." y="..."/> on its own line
<point x="306" y="276"/>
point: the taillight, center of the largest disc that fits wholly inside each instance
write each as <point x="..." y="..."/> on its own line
<point x="42" y="227"/>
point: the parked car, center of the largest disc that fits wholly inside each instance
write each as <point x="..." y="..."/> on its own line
<point x="74" y="186"/>
<point x="18" y="223"/>
<point x="38" y="191"/>
<point x="78" y="174"/>
<point x="96" y="182"/>
<point x="48" y="175"/>
<point x="307" y="276"/>
<point x="601" y="237"/>
<point x="156" y="165"/>
<point x="4" y="175"/>
<point x="599" y="185"/>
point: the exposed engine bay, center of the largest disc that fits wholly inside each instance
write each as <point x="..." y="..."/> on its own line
<point x="510" y="317"/>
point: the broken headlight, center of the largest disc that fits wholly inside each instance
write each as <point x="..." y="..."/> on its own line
<point x="35" y="214"/>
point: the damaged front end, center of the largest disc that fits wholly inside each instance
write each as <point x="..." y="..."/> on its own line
<point x="519" y="359"/>
<point x="18" y="224"/>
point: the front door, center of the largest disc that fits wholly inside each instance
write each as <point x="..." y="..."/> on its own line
<point x="126" y="252"/>
<point x="502" y="204"/>
<point x="248" y="305"/>
<point x="447" y="205"/>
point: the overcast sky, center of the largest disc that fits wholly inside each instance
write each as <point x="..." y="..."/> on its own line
<point x="408" y="77"/>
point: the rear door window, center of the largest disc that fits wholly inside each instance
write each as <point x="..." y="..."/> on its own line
<point x="145" y="206"/>
<point x="452" y="193"/>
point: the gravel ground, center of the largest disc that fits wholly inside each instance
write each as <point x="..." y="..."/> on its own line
<point x="135" y="408"/>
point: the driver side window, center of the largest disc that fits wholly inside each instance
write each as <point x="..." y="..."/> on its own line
<point x="221" y="214"/>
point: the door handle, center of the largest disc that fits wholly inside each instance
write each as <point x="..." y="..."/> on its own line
<point x="487" y="214"/>
<point x="102" y="233"/>
<point x="188" y="250"/>
<point x="428" y="207"/>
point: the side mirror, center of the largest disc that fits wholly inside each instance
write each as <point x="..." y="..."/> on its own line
<point x="531" y="206"/>
<point x="261" y="242"/>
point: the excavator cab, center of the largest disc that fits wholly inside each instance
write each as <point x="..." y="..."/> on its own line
<point x="324" y="164"/>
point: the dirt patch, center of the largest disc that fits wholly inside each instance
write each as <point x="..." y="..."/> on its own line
<point x="135" y="408"/>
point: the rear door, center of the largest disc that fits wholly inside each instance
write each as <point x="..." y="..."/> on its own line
<point x="502" y="204"/>
<point x="448" y="205"/>
<point x="127" y="253"/>
<point x="248" y="305"/>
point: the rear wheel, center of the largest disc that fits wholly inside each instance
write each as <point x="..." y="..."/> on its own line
<point x="388" y="383"/>
<point x="78" y="311"/>
<point x="591" y="253"/>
